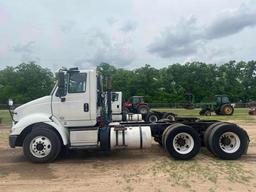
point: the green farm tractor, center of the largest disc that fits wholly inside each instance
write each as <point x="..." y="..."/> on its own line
<point x="221" y="106"/>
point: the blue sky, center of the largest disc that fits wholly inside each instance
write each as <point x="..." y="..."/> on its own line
<point x="126" y="33"/>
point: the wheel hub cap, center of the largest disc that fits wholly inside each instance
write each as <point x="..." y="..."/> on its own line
<point x="229" y="142"/>
<point x="40" y="146"/>
<point x="225" y="141"/>
<point x="183" y="143"/>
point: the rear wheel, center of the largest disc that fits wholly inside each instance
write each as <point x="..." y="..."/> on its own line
<point x="207" y="134"/>
<point x="143" y="109"/>
<point x="166" y="131"/>
<point x="182" y="142"/>
<point x="227" y="110"/>
<point x="42" y="145"/>
<point x="152" y="117"/>
<point x="228" y="141"/>
<point x="169" y="116"/>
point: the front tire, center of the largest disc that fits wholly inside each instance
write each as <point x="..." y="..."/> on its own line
<point x="42" y="145"/>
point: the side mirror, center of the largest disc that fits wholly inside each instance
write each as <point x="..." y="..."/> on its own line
<point x="61" y="84"/>
<point x="10" y="102"/>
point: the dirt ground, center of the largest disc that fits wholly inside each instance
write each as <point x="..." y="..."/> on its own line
<point x="136" y="170"/>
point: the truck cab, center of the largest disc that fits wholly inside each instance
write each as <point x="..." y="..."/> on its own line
<point x="74" y="115"/>
<point x="77" y="106"/>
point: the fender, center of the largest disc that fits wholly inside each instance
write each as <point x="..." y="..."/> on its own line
<point x="40" y="118"/>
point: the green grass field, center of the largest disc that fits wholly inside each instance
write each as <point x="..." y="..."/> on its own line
<point x="5" y="117"/>
<point x="240" y="114"/>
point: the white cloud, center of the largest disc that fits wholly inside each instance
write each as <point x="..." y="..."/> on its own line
<point x="188" y="38"/>
<point x="231" y="22"/>
<point x="181" y="40"/>
<point x="103" y="47"/>
<point x="26" y="51"/>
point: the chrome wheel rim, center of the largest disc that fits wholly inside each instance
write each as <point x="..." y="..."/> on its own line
<point x="229" y="142"/>
<point x="40" y="146"/>
<point x="183" y="143"/>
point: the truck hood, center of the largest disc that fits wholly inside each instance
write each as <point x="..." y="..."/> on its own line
<point x="40" y="105"/>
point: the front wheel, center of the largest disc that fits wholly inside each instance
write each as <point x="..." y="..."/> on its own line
<point x="42" y="145"/>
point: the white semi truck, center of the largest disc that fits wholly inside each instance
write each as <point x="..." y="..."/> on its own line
<point x="76" y="116"/>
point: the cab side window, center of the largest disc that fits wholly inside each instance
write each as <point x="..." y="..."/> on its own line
<point x="114" y="97"/>
<point x="77" y="83"/>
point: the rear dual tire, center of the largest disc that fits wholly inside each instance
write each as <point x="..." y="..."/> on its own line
<point x="169" y="116"/>
<point x="208" y="132"/>
<point x="226" y="141"/>
<point x="181" y="141"/>
<point x="152" y="117"/>
<point x="229" y="142"/>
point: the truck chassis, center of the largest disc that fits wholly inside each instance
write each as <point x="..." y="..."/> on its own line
<point x="173" y="136"/>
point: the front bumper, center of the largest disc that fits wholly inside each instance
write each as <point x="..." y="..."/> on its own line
<point x="12" y="140"/>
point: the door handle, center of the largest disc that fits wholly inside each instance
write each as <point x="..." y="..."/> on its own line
<point x="117" y="106"/>
<point x="86" y="107"/>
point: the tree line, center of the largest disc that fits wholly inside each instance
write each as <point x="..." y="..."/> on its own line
<point x="25" y="82"/>
<point x="169" y="84"/>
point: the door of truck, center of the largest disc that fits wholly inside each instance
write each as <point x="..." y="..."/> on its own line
<point x="73" y="110"/>
<point x="116" y="102"/>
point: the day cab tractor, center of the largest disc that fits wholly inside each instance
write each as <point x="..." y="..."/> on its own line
<point x="221" y="106"/>
<point x="77" y="115"/>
